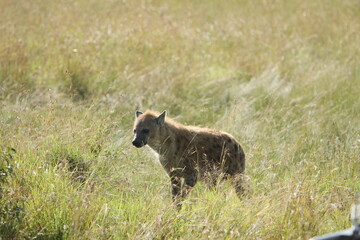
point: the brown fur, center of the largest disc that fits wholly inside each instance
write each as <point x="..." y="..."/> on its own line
<point x="189" y="153"/>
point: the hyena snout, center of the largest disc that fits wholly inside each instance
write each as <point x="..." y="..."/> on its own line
<point x="138" y="142"/>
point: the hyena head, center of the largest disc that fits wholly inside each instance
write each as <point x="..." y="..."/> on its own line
<point x="147" y="127"/>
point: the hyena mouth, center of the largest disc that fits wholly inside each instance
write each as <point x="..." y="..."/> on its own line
<point x="138" y="143"/>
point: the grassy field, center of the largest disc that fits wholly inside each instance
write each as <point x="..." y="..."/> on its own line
<point x="283" y="77"/>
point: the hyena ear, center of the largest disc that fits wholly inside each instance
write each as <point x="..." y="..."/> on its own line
<point x="137" y="114"/>
<point x="161" y="118"/>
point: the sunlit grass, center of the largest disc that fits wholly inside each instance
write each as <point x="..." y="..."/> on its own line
<point x="282" y="77"/>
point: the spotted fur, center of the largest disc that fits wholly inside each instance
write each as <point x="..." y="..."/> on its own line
<point x="189" y="153"/>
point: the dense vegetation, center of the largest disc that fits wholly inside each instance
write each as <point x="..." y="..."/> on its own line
<point x="282" y="76"/>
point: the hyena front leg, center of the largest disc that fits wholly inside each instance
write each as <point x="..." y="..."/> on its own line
<point x="176" y="190"/>
<point x="190" y="181"/>
<point x="179" y="190"/>
<point x="176" y="187"/>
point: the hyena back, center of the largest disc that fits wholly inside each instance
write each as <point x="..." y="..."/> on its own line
<point x="189" y="153"/>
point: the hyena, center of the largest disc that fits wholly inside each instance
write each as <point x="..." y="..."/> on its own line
<point x="189" y="153"/>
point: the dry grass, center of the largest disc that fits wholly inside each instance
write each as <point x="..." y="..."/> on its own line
<point x="281" y="76"/>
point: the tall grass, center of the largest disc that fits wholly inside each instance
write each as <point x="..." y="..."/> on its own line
<point x="283" y="77"/>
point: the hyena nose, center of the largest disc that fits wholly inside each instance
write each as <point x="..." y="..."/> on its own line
<point x="137" y="143"/>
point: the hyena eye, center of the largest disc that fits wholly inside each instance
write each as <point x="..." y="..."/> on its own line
<point x="145" y="131"/>
<point x="134" y="131"/>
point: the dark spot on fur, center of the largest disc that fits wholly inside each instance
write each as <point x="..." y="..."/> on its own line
<point x="216" y="145"/>
<point x="236" y="147"/>
<point x="229" y="140"/>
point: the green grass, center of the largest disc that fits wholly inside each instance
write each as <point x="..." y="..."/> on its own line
<point x="283" y="77"/>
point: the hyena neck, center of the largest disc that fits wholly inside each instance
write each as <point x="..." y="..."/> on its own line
<point x="162" y="143"/>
